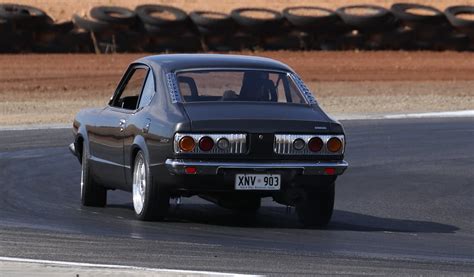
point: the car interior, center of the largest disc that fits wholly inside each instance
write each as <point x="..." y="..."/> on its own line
<point x="256" y="86"/>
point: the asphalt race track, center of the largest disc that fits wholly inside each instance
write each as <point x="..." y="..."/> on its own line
<point x="405" y="206"/>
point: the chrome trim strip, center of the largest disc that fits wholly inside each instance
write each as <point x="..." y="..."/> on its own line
<point x="231" y="69"/>
<point x="283" y="144"/>
<point x="238" y="143"/>
<point x="177" y="166"/>
<point x="303" y="88"/>
<point x="173" y="87"/>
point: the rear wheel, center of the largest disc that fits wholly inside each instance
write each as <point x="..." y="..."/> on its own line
<point x="92" y="194"/>
<point x="315" y="210"/>
<point x="150" y="202"/>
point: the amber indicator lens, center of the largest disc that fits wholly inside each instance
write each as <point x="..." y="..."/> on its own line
<point x="206" y="143"/>
<point x="315" y="144"/>
<point x="186" y="144"/>
<point x="223" y="143"/>
<point x="298" y="144"/>
<point x="334" y="144"/>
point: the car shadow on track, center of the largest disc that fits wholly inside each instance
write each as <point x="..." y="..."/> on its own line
<point x="280" y="217"/>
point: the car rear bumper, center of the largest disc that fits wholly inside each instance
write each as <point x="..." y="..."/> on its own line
<point x="178" y="167"/>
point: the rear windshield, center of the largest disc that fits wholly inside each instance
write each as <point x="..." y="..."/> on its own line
<point x="238" y="85"/>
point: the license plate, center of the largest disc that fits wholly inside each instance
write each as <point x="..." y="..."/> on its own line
<point x="257" y="181"/>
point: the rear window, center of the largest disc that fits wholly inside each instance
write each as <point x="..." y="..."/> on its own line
<point x="241" y="85"/>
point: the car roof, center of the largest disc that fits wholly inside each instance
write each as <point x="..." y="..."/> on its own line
<point x="175" y="62"/>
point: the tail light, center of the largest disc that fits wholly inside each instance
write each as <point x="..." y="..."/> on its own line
<point x="187" y="144"/>
<point x="308" y="144"/>
<point x="206" y="144"/>
<point x="299" y="144"/>
<point x="192" y="143"/>
<point x="223" y="143"/>
<point x="315" y="144"/>
<point x="334" y="144"/>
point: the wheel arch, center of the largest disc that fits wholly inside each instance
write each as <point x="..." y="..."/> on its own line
<point x="139" y="144"/>
<point x="80" y="142"/>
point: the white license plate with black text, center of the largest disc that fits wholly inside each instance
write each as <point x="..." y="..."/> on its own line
<point x="257" y="181"/>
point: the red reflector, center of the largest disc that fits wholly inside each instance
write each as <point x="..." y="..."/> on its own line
<point x="330" y="171"/>
<point x="190" y="170"/>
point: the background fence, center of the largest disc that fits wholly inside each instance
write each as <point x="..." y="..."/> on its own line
<point x="158" y="28"/>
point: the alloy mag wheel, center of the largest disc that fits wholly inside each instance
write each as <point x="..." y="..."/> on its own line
<point x="139" y="184"/>
<point x="83" y="173"/>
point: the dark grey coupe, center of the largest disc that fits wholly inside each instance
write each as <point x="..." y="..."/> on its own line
<point x="230" y="129"/>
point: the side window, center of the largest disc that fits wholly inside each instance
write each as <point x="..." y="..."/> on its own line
<point x="148" y="91"/>
<point x="130" y="92"/>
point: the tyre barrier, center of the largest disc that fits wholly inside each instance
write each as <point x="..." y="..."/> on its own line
<point x="161" y="28"/>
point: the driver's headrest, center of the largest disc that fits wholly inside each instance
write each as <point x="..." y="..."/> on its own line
<point x="255" y="75"/>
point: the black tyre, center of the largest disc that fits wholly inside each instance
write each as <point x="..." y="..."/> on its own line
<point x="117" y="15"/>
<point x="316" y="209"/>
<point x="307" y="18"/>
<point x="62" y="27"/>
<point x="90" y="24"/>
<point x="160" y="15"/>
<point x="92" y="194"/>
<point x="426" y="17"/>
<point x="212" y="22"/>
<point x="269" y="24"/>
<point x="288" y="41"/>
<point x="150" y="202"/>
<point x="22" y="13"/>
<point x="464" y="24"/>
<point x="367" y="17"/>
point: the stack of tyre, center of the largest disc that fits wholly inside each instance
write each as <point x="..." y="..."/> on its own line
<point x="368" y="27"/>
<point x="160" y="28"/>
<point x="28" y="29"/>
<point x="149" y="28"/>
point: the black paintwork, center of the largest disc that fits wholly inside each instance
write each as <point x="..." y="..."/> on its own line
<point x="112" y="151"/>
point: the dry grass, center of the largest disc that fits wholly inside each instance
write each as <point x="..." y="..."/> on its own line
<point x="337" y="98"/>
<point x="394" y="97"/>
<point x="361" y="11"/>
<point x="466" y="16"/>
<point x="63" y="9"/>
<point x="164" y="15"/>
<point x="38" y="89"/>
<point x="309" y="12"/>
<point x="258" y="14"/>
<point x="418" y="11"/>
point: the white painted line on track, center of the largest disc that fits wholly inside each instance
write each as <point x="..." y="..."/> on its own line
<point x="451" y="114"/>
<point x="124" y="267"/>
<point x="35" y="127"/>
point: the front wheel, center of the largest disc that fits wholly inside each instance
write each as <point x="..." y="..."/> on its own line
<point x="315" y="210"/>
<point x="92" y="194"/>
<point x="150" y="202"/>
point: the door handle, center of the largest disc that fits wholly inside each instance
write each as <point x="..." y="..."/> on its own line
<point x="122" y="124"/>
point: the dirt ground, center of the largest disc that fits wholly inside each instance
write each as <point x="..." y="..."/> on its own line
<point x="52" y="88"/>
<point x="63" y="9"/>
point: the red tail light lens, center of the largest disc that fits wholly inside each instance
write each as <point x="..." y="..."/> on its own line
<point x="315" y="144"/>
<point x="186" y="144"/>
<point x="206" y="144"/>
<point x="334" y="145"/>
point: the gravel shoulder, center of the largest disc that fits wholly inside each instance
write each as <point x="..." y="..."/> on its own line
<point x="50" y="89"/>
